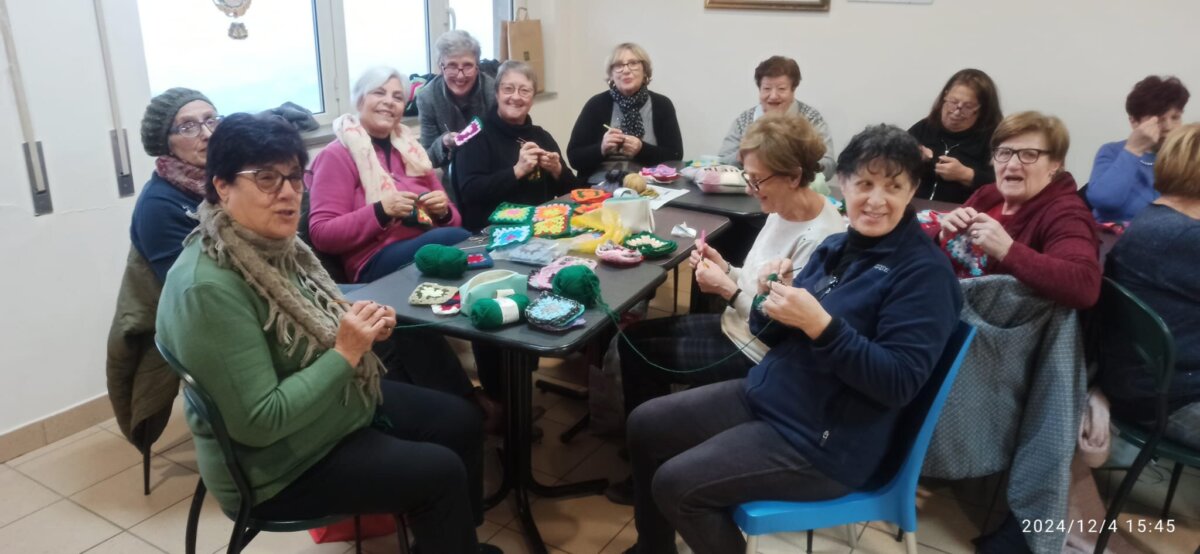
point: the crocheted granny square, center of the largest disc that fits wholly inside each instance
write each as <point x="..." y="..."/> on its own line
<point x="541" y="279"/>
<point x="449" y="307"/>
<point x="553" y="312"/>
<point x="508" y="213"/>
<point x="428" y="294"/>
<point x="552" y="228"/>
<point x="649" y="245"/>
<point x="551" y="210"/>
<point x="538" y="252"/>
<point x="508" y="236"/>
<point x="969" y="260"/>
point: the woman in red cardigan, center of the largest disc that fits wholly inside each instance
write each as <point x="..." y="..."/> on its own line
<point x="1030" y="224"/>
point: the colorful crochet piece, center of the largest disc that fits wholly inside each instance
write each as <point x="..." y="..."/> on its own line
<point x="968" y="259"/>
<point x="615" y="254"/>
<point x="589" y="196"/>
<point x="541" y="279"/>
<point x="661" y="173"/>
<point x="537" y="252"/>
<point x="428" y="294"/>
<point x="508" y="236"/>
<point x="508" y="213"/>
<point x="449" y="307"/>
<point x="552" y="210"/>
<point x="650" y="245"/>
<point x="473" y="128"/>
<point x="479" y="260"/>
<point x="552" y="228"/>
<point x="552" y="312"/>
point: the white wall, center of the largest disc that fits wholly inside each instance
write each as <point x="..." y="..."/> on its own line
<point x="866" y="63"/>
<point x="61" y="271"/>
<point x="862" y="63"/>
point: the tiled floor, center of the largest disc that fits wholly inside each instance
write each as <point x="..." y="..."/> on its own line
<point x="83" y="494"/>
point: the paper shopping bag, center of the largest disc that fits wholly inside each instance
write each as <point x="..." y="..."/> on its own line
<point x="521" y="40"/>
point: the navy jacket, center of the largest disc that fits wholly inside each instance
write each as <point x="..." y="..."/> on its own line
<point x="161" y="220"/>
<point x="837" y="399"/>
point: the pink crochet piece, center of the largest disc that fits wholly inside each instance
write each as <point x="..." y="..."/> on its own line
<point x="615" y="254"/>
<point x="541" y="278"/>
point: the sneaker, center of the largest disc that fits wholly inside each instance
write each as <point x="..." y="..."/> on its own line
<point x="620" y="492"/>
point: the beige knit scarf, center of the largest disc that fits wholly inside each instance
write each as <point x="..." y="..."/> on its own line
<point x="268" y="265"/>
<point x="374" y="178"/>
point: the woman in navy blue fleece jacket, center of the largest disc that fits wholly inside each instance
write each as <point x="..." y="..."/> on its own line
<point x="853" y="339"/>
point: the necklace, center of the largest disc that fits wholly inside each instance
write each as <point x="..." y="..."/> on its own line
<point x="949" y="148"/>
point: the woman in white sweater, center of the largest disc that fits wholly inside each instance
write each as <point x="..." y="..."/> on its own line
<point x="781" y="154"/>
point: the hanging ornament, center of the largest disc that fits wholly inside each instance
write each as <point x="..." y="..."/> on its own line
<point x="234" y="9"/>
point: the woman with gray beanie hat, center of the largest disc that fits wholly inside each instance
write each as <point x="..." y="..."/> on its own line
<point x="175" y="128"/>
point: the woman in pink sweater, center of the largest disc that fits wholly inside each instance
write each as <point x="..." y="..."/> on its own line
<point x="375" y="198"/>
<point x="1031" y="223"/>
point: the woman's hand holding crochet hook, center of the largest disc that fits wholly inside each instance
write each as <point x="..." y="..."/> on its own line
<point x="363" y="323"/>
<point x="796" y="307"/>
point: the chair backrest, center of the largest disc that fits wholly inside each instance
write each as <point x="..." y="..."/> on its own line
<point x="1127" y="334"/>
<point x="331" y="263"/>
<point x="204" y="407"/>
<point x="915" y="429"/>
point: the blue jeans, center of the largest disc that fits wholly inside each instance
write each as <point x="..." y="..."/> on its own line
<point x="400" y="253"/>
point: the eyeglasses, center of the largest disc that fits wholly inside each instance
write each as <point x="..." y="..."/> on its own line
<point x="1024" y="155"/>
<point x="755" y="184"/>
<point x="523" y="92"/>
<point x="631" y="66"/>
<point x="191" y="129"/>
<point x="270" y="181"/>
<point x="965" y="107"/>
<point x="466" y="70"/>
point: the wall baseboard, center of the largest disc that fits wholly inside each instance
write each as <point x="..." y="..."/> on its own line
<point x="54" y="428"/>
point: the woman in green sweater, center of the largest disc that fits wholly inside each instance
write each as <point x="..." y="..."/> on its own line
<point x="249" y="311"/>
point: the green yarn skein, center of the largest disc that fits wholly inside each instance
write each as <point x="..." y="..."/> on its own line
<point x="486" y="313"/>
<point x="579" y="283"/>
<point x="437" y="260"/>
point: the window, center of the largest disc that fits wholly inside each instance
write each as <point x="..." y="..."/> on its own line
<point x="309" y="52"/>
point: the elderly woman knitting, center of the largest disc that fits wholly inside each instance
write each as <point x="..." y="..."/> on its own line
<point x="449" y="102"/>
<point x="249" y="311"/>
<point x="627" y="121"/>
<point x="1031" y="223"/>
<point x="375" y="197"/>
<point x="854" y="337"/>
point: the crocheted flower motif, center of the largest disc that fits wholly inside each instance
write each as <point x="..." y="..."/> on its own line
<point x="508" y="213"/>
<point x="650" y="245"/>
<point x="615" y="254"/>
<point x="551" y="211"/>
<point x="551" y="228"/>
<point x="431" y="293"/>
<point x="505" y="236"/>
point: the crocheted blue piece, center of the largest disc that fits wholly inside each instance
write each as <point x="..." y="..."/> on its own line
<point x="553" y="312"/>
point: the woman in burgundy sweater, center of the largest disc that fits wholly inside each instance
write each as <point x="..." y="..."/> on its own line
<point x="1031" y="224"/>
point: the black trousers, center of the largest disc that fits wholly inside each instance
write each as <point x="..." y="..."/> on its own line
<point x="422" y="357"/>
<point x="428" y="465"/>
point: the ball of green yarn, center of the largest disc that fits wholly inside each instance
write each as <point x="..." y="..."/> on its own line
<point x="487" y="314"/>
<point x="579" y="283"/>
<point x="437" y="260"/>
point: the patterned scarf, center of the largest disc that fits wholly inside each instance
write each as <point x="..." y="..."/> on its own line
<point x="182" y="175"/>
<point x="267" y="266"/>
<point x="374" y="178"/>
<point x="631" y="109"/>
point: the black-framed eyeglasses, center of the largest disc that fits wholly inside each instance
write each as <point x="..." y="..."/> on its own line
<point x="466" y="70"/>
<point x="1024" y="155"/>
<point x="191" y="129"/>
<point x="632" y="65"/>
<point x="755" y="184"/>
<point x="270" y="181"/>
<point x="964" y="107"/>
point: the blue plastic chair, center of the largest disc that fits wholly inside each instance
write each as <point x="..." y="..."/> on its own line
<point x="892" y="494"/>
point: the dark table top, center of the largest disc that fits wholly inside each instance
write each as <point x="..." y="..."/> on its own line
<point x="620" y="288"/>
<point x="736" y="206"/>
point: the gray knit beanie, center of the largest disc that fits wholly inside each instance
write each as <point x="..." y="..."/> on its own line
<point x="160" y="115"/>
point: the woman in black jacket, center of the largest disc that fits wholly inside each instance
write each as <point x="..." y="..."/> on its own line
<point x="511" y="159"/>
<point x="956" y="137"/>
<point x="626" y="122"/>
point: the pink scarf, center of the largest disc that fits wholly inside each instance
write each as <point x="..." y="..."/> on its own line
<point x="184" y="176"/>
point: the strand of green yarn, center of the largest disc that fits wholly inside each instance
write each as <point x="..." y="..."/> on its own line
<point x="621" y="333"/>
<point x="437" y="260"/>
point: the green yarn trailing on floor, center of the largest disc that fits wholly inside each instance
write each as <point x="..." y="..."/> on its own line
<point x="579" y="283"/>
<point x="487" y="313"/>
<point x="437" y="260"/>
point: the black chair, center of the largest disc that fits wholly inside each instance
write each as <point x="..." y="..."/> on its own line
<point x="331" y="263"/>
<point x="1128" y="333"/>
<point x="245" y="526"/>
